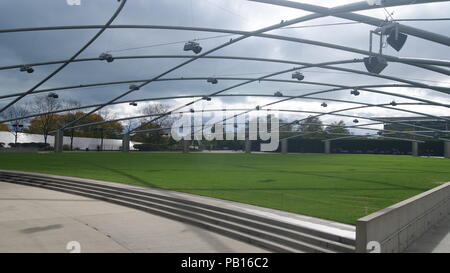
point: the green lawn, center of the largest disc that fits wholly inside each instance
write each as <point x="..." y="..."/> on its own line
<point x="337" y="187"/>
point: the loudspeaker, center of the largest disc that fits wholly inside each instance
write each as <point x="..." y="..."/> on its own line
<point x="375" y="64"/>
<point x="398" y="43"/>
<point x="197" y="49"/>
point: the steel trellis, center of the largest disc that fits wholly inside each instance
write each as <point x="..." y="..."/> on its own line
<point x="345" y="12"/>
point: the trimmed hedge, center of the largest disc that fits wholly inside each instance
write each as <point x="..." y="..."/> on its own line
<point x="151" y="147"/>
<point x="350" y="146"/>
<point x="39" y="145"/>
<point x="360" y="146"/>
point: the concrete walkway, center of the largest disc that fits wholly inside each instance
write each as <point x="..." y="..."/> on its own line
<point x="39" y="220"/>
<point x="435" y="240"/>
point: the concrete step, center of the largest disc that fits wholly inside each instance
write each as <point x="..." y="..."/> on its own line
<point x="240" y="223"/>
<point x="263" y="243"/>
<point x="292" y="234"/>
<point x="269" y="221"/>
<point x="242" y="229"/>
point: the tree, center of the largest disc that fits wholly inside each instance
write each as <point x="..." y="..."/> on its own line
<point x="4" y="127"/>
<point x="129" y="125"/>
<point x="110" y="129"/>
<point x="45" y="123"/>
<point x="156" y="136"/>
<point x="16" y="112"/>
<point x="69" y="117"/>
<point x="159" y="109"/>
<point x="337" y="127"/>
<point x="42" y="125"/>
<point x="312" y="126"/>
<point x="287" y="129"/>
<point x="150" y="136"/>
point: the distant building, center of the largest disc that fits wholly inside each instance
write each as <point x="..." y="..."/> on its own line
<point x="428" y="122"/>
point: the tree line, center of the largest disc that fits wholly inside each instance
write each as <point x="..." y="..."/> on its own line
<point x="52" y="119"/>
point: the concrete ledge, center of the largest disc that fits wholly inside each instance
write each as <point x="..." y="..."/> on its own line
<point x="398" y="226"/>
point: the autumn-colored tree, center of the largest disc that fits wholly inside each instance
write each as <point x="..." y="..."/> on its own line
<point x="4" y="127"/>
<point x="69" y="116"/>
<point x="153" y="135"/>
<point x="42" y="125"/>
<point x="46" y="123"/>
<point x="108" y="129"/>
<point x="49" y="120"/>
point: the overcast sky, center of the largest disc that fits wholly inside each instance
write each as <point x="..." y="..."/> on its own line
<point x="30" y="47"/>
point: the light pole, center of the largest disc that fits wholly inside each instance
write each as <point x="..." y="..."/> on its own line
<point x="17" y="127"/>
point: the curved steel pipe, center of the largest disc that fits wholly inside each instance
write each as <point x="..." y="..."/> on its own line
<point x="238" y="85"/>
<point x="237" y="32"/>
<point x="307" y="65"/>
<point x="199" y="95"/>
<point x="133" y="57"/>
<point x="232" y="41"/>
<point x="103" y="28"/>
<point x="271" y="110"/>
<point x="420" y="33"/>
